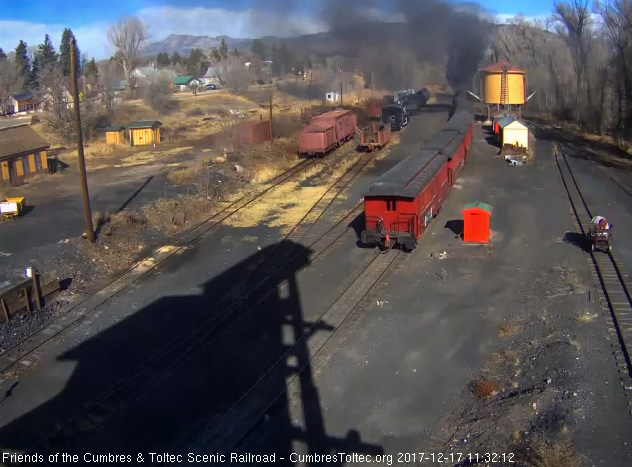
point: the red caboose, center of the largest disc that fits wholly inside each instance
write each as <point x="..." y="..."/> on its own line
<point x="403" y="201"/>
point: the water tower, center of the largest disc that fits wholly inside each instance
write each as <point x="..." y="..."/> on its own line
<point x="503" y="86"/>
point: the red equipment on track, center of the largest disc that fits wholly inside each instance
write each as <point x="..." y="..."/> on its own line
<point x="326" y="132"/>
<point x="373" y="137"/>
<point x="402" y="202"/>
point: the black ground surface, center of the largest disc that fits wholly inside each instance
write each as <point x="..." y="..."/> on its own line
<point x="400" y="372"/>
<point x="170" y="307"/>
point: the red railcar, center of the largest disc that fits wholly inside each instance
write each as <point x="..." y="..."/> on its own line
<point x="252" y="132"/>
<point x="344" y="122"/>
<point x="326" y="132"/>
<point x="317" y="138"/>
<point x="374" y="137"/>
<point x="402" y="202"/>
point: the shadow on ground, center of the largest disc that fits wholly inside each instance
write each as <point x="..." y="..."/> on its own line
<point x="181" y="366"/>
<point x="576" y="239"/>
<point x="456" y="226"/>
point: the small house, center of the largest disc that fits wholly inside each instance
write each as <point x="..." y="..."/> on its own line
<point x="182" y="83"/>
<point x="212" y="76"/>
<point x="332" y="97"/>
<point x="513" y="132"/>
<point x="115" y="134"/>
<point x="22" y="102"/>
<point x="144" y="133"/>
<point x="22" y="153"/>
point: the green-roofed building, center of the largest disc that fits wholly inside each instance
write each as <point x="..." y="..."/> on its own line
<point x="182" y="83"/>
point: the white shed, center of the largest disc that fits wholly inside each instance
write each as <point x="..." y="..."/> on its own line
<point x="513" y="132"/>
<point x="332" y="97"/>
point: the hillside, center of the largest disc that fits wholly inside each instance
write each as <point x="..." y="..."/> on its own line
<point x="183" y="44"/>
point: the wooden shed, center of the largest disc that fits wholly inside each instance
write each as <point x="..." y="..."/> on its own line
<point x="476" y="222"/>
<point x="144" y="133"/>
<point x="514" y="133"/>
<point x="22" y="153"/>
<point x="115" y="134"/>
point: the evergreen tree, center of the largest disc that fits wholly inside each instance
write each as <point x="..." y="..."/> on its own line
<point x="82" y="66"/>
<point x="2" y="54"/>
<point x="64" y="52"/>
<point x="162" y="59"/>
<point x="195" y="62"/>
<point x="258" y="49"/>
<point x="91" y="69"/>
<point x="22" y="62"/>
<point x="223" y="49"/>
<point x="176" y="58"/>
<point x="35" y="71"/>
<point x="46" y="54"/>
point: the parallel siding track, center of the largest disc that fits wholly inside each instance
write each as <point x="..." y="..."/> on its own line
<point x="614" y="281"/>
<point x="185" y="346"/>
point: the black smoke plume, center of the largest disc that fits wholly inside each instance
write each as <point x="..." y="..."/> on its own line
<point x="406" y="43"/>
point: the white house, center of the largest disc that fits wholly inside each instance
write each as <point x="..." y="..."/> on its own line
<point x="212" y="76"/>
<point x="332" y="97"/>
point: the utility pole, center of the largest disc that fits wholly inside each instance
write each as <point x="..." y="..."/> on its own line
<point x="340" y="93"/>
<point x="87" y="212"/>
<point x="271" y="134"/>
<point x="310" y="86"/>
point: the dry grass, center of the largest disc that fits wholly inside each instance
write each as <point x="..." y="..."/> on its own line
<point x="185" y="176"/>
<point x="538" y="451"/>
<point x="483" y="388"/>
<point x="584" y="316"/>
<point x="507" y="329"/>
<point x="171" y="215"/>
<point x="125" y="220"/>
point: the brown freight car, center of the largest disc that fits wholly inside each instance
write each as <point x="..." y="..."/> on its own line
<point x="374" y="137"/>
<point x="251" y="133"/>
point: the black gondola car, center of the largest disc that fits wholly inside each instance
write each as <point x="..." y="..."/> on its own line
<point x="396" y="116"/>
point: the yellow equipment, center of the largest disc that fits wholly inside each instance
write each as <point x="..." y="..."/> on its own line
<point x="12" y="207"/>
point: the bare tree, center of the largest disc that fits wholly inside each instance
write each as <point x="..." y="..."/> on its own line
<point x="10" y="82"/>
<point x="109" y="78"/>
<point x="53" y="91"/>
<point x="126" y="36"/>
<point x="617" y="18"/>
<point x="574" y="19"/>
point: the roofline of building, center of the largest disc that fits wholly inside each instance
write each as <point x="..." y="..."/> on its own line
<point x="25" y="153"/>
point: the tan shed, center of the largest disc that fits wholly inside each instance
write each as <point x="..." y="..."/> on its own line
<point x="144" y="133"/>
<point x="22" y="153"/>
<point x="513" y="132"/>
<point x="115" y="134"/>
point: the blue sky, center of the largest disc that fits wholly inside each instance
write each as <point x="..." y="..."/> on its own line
<point x="30" y="20"/>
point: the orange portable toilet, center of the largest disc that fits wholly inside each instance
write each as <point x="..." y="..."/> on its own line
<point x="476" y="222"/>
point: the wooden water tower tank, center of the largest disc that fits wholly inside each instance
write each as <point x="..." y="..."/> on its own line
<point x="504" y="84"/>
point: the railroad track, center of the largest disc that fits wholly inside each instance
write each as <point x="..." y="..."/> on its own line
<point x="611" y="275"/>
<point x="226" y="431"/>
<point x="22" y="356"/>
<point x="204" y="332"/>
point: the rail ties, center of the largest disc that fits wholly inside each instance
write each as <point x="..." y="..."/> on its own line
<point x="227" y="430"/>
<point x="32" y="343"/>
<point x="199" y="335"/>
<point x="613" y="279"/>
